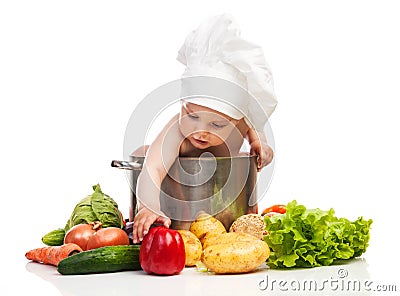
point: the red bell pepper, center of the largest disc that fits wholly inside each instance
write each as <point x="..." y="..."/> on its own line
<point x="162" y="251"/>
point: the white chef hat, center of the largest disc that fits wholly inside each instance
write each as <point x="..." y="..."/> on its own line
<point x="215" y="49"/>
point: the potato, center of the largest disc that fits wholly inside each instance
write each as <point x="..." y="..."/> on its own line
<point x="193" y="248"/>
<point x="228" y="238"/>
<point x="206" y="225"/>
<point x="237" y="257"/>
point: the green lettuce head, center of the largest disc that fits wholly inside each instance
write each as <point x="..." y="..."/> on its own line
<point x="313" y="237"/>
<point x="96" y="207"/>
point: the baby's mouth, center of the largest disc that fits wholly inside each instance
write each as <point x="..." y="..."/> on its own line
<point x="201" y="142"/>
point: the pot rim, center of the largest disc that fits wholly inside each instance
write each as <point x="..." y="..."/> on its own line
<point x="254" y="156"/>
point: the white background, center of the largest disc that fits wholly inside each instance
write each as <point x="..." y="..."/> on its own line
<point x="72" y="72"/>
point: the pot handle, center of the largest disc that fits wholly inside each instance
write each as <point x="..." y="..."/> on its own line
<point x="126" y="165"/>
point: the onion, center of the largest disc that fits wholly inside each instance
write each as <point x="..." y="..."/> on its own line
<point x="110" y="236"/>
<point x="81" y="233"/>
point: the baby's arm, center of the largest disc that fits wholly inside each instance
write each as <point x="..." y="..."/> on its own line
<point x="259" y="146"/>
<point x="160" y="156"/>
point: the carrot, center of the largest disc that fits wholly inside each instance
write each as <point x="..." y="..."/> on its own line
<point x="53" y="255"/>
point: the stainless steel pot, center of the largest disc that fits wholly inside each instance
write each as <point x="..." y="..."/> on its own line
<point x="224" y="187"/>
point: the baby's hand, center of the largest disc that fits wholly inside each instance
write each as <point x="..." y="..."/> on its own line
<point x="263" y="151"/>
<point x="142" y="222"/>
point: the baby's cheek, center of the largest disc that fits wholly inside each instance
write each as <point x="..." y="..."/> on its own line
<point x="230" y="132"/>
<point x="216" y="139"/>
<point x="184" y="128"/>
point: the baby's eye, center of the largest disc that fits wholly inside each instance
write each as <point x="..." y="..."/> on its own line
<point x="193" y="116"/>
<point x="218" y="125"/>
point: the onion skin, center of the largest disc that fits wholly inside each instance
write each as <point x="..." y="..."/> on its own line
<point x="80" y="235"/>
<point x="110" y="236"/>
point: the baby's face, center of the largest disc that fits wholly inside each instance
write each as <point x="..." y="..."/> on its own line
<point x="205" y="127"/>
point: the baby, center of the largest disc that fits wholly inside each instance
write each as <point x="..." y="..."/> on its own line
<point x="195" y="130"/>
<point x="218" y="127"/>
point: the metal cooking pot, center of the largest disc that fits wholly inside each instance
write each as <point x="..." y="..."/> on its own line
<point x="224" y="187"/>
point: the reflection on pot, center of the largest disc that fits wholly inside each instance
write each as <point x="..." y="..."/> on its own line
<point x="224" y="187"/>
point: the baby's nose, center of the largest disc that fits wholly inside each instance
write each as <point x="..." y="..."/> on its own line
<point x="200" y="134"/>
<point x="201" y="128"/>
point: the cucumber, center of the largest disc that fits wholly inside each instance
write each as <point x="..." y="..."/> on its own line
<point x="54" y="238"/>
<point x="102" y="260"/>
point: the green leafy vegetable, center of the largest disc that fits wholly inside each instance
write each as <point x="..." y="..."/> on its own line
<point x="313" y="237"/>
<point x="96" y="207"/>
